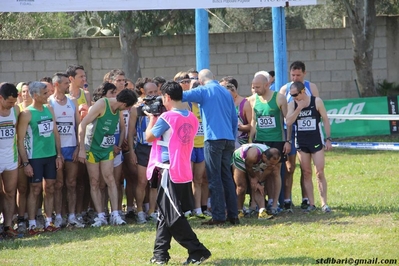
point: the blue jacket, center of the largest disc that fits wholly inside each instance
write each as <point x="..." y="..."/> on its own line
<point x="218" y="113"/>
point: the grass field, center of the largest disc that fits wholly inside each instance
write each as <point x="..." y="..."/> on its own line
<point x="363" y="191"/>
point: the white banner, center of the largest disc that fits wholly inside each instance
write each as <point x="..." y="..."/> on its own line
<point x="117" y="5"/>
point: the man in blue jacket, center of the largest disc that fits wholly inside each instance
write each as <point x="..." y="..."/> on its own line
<point x="219" y="119"/>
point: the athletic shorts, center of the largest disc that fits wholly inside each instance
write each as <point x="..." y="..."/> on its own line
<point x="67" y="153"/>
<point x="311" y="148"/>
<point x="197" y="155"/>
<point x="98" y="157"/>
<point x="279" y="145"/>
<point x="143" y="154"/>
<point x="8" y="166"/>
<point x="118" y="160"/>
<point x="155" y="178"/>
<point x="237" y="161"/>
<point x="43" y="168"/>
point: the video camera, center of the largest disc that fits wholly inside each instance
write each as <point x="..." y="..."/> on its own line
<point x="152" y="105"/>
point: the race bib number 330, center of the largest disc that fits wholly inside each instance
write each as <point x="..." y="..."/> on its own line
<point x="108" y="140"/>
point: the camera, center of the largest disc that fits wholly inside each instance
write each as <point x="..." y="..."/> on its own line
<point x="152" y="105"/>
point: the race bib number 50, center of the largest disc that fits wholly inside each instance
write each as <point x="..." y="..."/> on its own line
<point x="306" y="124"/>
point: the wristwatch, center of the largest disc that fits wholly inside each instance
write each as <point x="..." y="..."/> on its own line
<point x="329" y="138"/>
<point x="25" y="164"/>
<point x="289" y="141"/>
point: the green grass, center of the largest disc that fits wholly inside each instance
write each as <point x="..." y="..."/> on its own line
<point x="363" y="191"/>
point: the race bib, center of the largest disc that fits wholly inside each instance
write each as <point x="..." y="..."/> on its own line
<point x="45" y="128"/>
<point x="64" y="128"/>
<point x="200" y="131"/>
<point x="266" y="122"/>
<point x="108" y="141"/>
<point x="7" y="132"/>
<point x="306" y="124"/>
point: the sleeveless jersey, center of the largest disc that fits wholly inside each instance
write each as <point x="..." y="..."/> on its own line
<point x="39" y="139"/>
<point x="8" y="136"/>
<point x="242" y="137"/>
<point x="126" y="116"/>
<point x="65" y="121"/>
<point x="100" y="133"/>
<point x="199" y="136"/>
<point x="307" y="124"/>
<point x="269" y="120"/>
<point x="141" y="126"/>
<point x="82" y="97"/>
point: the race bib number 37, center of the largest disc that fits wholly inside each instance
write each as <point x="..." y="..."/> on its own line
<point x="45" y="128"/>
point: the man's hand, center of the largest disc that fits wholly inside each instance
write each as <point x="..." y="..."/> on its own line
<point x="82" y="156"/>
<point x="301" y="104"/>
<point x="287" y="148"/>
<point x="256" y="186"/>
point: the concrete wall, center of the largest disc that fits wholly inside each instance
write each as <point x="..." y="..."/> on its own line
<point x="327" y="54"/>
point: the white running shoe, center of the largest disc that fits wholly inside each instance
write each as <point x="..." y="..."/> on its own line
<point x="117" y="220"/>
<point x="141" y="218"/>
<point x="58" y="222"/>
<point x="99" y="222"/>
<point x="75" y="222"/>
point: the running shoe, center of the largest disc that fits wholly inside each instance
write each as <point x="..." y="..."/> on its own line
<point x="98" y="222"/>
<point x="51" y="228"/>
<point x="264" y="215"/>
<point x="141" y="217"/>
<point x="326" y="209"/>
<point x="117" y="220"/>
<point x="75" y="222"/>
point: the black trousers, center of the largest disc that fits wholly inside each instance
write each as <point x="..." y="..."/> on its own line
<point x="172" y="223"/>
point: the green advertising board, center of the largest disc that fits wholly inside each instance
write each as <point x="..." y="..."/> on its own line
<point x="341" y="128"/>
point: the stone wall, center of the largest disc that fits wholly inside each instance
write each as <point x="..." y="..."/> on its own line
<point x="327" y="54"/>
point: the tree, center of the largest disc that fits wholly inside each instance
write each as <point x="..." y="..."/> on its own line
<point x="35" y="25"/>
<point x="131" y="25"/>
<point x="362" y="17"/>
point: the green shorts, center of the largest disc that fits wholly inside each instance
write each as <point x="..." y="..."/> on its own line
<point x="98" y="157"/>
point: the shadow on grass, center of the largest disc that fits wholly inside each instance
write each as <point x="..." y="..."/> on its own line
<point x="298" y="216"/>
<point x="69" y="235"/>
<point x="279" y="261"/>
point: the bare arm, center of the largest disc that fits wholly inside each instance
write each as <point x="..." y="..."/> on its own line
<point x="314" y="90"/>
<point x="282" y="102"/>
<point x="59" y="160"/>
<point x="292" y="113"/>
<point x="248" y="116"/>
<point x="326" y="122"/>
<point x="22" y="127"/>
<point x="131" y="133"/>
<point x="149" y="137"/>
<point x="96" y="110"/>
<point x="253" y="121"/>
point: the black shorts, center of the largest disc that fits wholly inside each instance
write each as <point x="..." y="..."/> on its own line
<point x="310" y="148"/>
<point x="43" y="168"/>
<point x="155" y="178"/>
<point x="279" y="145"/>
<point x="143" y="154"/>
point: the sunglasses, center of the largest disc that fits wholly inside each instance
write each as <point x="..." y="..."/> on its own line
<point x="194" y="78"/>
<point x="184" y="81"/>
<point x="294" y="95"/>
